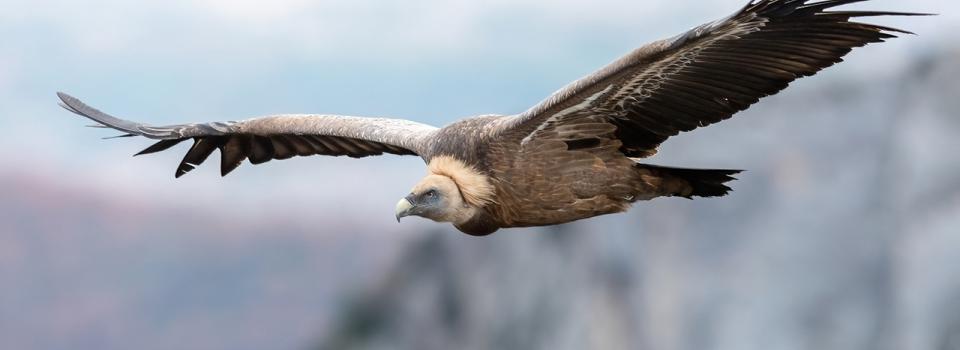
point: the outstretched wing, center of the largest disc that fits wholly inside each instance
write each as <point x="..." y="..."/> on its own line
<point x="702" y="76"/>
<point x="272" y="137"/>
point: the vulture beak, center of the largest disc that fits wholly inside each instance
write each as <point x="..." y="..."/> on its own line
<point x="403" y="208"/>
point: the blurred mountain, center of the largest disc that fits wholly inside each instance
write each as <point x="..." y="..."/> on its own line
<point x="844" y="234"/>
<point x="84" y="270"/>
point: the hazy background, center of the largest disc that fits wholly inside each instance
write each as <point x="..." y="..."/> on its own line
<point x="843" y="234"/>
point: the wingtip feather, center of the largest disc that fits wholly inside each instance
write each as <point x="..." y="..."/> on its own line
<point x="118" y="136"/>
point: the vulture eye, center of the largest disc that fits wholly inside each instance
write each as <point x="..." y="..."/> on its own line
<point x="430" y="194"/>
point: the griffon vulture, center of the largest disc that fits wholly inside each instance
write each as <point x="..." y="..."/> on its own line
<point x="574" y="155"/>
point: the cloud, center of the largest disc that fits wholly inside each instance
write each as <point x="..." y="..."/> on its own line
<point x="9" y="71"/>
<point x="404" y="30"/>
<point x="400" y="27"/>
<point x="255" y="11"/>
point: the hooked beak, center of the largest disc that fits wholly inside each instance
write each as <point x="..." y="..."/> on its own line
<point x="403" y="208"/>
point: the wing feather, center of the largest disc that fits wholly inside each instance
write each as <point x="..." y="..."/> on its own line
<point x="261" y="150"/>
<point x="202" y="149"/>
<point x="706" y="74"/>
<point x="274" y="137"/>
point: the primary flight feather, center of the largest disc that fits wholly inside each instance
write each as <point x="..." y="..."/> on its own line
<point x="571" y="156"/>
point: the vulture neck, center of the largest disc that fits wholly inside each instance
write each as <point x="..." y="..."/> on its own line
<point x="475" y="187"/>
<point x="476" y="192"/>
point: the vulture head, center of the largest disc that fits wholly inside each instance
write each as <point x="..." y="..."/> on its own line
<point x="452" y="192"/>
<point x="437" y="198"/>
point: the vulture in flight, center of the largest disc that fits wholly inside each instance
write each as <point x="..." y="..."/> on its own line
<point x="576" y="154"/>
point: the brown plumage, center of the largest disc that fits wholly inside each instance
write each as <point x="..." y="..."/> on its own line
<point x="573" y="155"/>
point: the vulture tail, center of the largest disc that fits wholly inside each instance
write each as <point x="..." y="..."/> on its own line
<point x="693" y="182"/>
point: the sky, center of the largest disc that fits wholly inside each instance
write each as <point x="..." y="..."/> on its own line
<point x="431" y="61"/>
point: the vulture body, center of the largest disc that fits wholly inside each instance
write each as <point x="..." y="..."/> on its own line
<point x="574" y="155"/>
